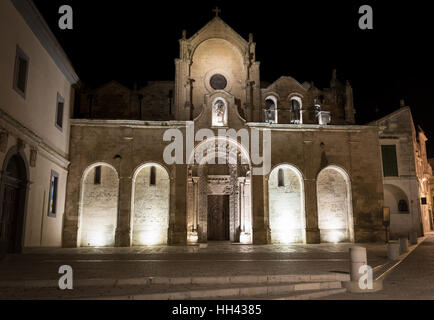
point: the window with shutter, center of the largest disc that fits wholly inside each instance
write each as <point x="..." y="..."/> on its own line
<point x="59" y="112"/>
<point x="20" y="72"/>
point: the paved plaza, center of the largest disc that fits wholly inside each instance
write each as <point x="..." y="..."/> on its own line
<point x="176" y="261"/>
<point x="413" y="278"/>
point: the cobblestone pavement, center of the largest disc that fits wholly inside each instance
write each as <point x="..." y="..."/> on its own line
<point x="412" y="279"/>
<point x="173" y="261"/>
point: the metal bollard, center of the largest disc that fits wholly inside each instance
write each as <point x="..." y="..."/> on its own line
<point x="393" y="250"/>
<point x="358" y="258"/>
<point x="403" y="244"/>
<point x="413" y="237"/>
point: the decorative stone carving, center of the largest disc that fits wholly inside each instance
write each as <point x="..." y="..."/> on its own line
<point x="324" y="117"/>
<point x="3" y="140"/>
<point x="219" y="109"/>
<point x="33" y="157"/>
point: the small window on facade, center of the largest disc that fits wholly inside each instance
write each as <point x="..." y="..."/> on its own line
<point x="295" y="110"/>
<point x="153" y="178"/>
<point x="423" y="200"/>
<point x="52" y="203"/>
<point x="20" y="72"/>
<point x="402" y="206"/>
<point x="59" y="112"/>
<point x="97" y="178"/>
<point x="270" y="110"/>
<point x="280" y="178"/>
<point x="218" y="82"/>
<point x="390" y="164"/>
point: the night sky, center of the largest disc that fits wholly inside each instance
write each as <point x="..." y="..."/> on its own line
<point x="136" y="41"/>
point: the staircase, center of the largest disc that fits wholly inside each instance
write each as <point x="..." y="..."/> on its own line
<point x="282" y="287"/>
<point x="279" y="287"/>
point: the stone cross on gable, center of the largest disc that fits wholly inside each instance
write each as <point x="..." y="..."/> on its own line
<point x="216" y="10"/>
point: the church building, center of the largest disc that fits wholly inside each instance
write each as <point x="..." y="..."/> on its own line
<point x="323" y="181"/>
<point x="214" y="155"/>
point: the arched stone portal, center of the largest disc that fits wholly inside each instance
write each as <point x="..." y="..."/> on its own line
<point x="219" y="192"/>
<point x="286" y="205"/>
<point x="150" y="205"/>
<point x="335" y="214"/>
<point x="99" y="206"/>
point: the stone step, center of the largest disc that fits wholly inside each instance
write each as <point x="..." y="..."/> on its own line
<point x="295" y="295"/>
<point x="230" y="291"/>
<point x="174" y="281"/>
<point x="311" y="295"/>
<point x="234" y="292"/>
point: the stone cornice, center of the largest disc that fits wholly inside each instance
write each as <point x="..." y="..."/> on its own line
<point x="32" y="139"/>
<point x="308" y="127"/>
<point x="182" y="124"/>
<point x="129" y="123"/>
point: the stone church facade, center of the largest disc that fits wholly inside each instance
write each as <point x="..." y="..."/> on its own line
<point x="215" y="155"/>
<point x="324" y="182"/>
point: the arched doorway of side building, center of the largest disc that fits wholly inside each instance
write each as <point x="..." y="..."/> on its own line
<point x="13" y="205"/>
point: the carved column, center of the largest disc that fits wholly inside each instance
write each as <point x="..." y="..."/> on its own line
<point x="189" y="95"/>
<point x="256" y="92"/>
<point x="182" y="90"/>
<point x="202" y="208"/>
<point x="245" y="219"/>
<point x="196" y="204"/>
<point x="192" y="222"/>
<point x="248" y="208"/>
<point x="241" y="204"/>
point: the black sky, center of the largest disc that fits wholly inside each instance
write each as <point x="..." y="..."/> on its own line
<point x="135" y="41"/>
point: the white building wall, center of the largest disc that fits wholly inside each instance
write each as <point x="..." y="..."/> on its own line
<point x="37" y="111"/>
<point x="31" y="119"/>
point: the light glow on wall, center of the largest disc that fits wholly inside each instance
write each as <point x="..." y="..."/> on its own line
<point x="286" y="236"/>
<point x="335" y="216"/>
<point x="97" y="238"/>
<point x="286" y="205"/>
<point x="98" y="206"/>
<point x="150" y="237"/>
<point x="150" y="206"/>
<point x="245" y="238"/>
<point x="192" y="237"/>
<point x="336" y="236"/>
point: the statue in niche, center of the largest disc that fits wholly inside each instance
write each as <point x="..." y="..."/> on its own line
<point x="295" y="111"/>
<point x="219" y="113"/>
